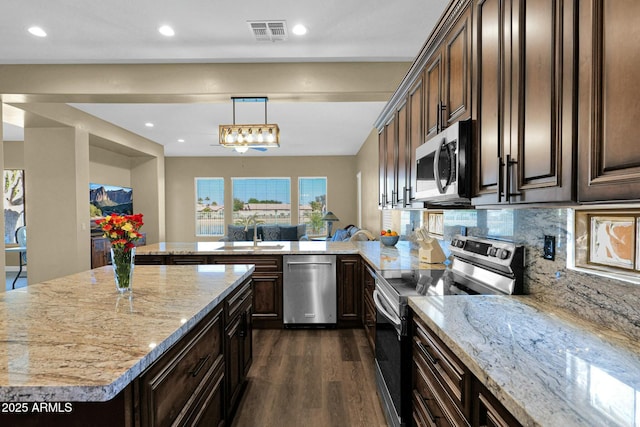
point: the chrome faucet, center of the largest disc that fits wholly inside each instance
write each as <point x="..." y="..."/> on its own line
<point x="255" y="221"/>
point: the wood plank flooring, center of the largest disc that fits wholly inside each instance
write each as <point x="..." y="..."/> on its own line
<point x="310" y="377"/>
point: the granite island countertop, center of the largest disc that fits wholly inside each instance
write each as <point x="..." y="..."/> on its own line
<point x="74" y="339"/>
<point x="546" y="367"/>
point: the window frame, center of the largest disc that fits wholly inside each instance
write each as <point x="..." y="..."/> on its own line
<point x="322" y="231"/>
<point x="196" y="203"/>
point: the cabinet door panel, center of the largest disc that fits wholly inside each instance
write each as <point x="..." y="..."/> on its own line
<point x="542" y="122"/>
<point x="349" y="289"/>
<point x="538" y="136"/>
<point x="433" y="95"/>
<point x="402" y="162"/>
<point x="458" y="70"/>
<point x="382" y="164"/>
<point x="267" y="297"/>
<point x="416" y="133"/>
<point x="489" y="93"/>
<point x="391" y="151"/>
<point x="609" y="106"/>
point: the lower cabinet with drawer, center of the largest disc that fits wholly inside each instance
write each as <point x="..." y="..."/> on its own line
<point x="199" y="381"/>
<point x="238" y="345"/>
<point x="175" y="388"/>
<point x="445" y="392"/>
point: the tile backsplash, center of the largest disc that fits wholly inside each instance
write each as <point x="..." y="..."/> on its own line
<point x="606" y="301"/>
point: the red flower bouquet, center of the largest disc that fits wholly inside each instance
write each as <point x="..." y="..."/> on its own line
<point x="122" y="232"/>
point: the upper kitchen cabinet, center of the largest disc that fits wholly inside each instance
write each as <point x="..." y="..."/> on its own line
<point x="388" y="161"/>
<point x="525" y="101"/>
<point x="415" y="129"/>
<point x="435" y="93"/>
<point x="608" y="100"/>
<point x="447" y="75"/>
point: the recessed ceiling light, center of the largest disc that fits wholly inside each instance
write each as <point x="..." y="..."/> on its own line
<point x="166" y="30"/>
<point x="149" y="124"/>
<point x="37" y="31"/>
<point x="299" y="30"/>
<point x="181" y="140"/>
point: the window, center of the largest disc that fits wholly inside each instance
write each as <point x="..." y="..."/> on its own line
<point x="14" y="215"/>
<point x="312" y="204"/>
<point x="269" y="198"/>
<point x="209" y="206"/>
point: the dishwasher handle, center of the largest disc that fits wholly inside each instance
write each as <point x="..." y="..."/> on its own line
<point x="309" y="263"/>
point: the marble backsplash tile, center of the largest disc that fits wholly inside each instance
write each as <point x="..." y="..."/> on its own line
<point x="606" y="301"/>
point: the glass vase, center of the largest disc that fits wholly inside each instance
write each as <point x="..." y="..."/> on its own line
<point x="122" y="261"/>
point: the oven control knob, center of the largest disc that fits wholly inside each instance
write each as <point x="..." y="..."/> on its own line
<point x="459" y="243"/>
<point x="454" y="243"/>
<point x="503" y="254"/>
<point x="493" y="251"/>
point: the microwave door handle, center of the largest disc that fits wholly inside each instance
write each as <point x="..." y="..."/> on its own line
<point x="436" y="166"/>
<point x="380" y="305"/>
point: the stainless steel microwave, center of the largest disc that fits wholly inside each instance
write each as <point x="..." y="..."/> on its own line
<point x="443" y="167"/>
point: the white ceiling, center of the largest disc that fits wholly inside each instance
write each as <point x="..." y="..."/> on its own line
<point x="125" y="31"/>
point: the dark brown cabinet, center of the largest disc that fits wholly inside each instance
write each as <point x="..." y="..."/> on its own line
<point x="238" y="346"/>
<point x="445" y="392"/>
<point x="415" y="101"/>
<point x="608" y="95"/>
<point x="349" y="290"/>
<point x="441" y="383"/>
<point x="438" y="95"/>
<point x="267" y="287"/>
<point x="433" y="95"/>
<point x="447" y="76"/>
<point x="388" y="146"/>
<point x="488" y="411"/>
<point x="524" y="113"/>
<point x="172" y="388"/>
<point x="368" y="306"/>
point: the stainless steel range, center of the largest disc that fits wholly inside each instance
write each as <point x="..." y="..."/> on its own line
<point x="478" y="266"/>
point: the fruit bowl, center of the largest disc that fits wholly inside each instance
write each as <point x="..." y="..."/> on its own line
<point x="389" y="240"/>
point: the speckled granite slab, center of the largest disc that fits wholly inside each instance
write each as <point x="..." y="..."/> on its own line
<point x="74" y="339"/>
<point x="244" y="248"/>
<point x="402" y="256"/>
<point x="546" y="368"/>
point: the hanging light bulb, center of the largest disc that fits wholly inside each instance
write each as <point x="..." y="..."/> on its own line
<point x="240" y="137"/>
<point x="250" y="136"/>
<point x="260" y="137"/>
<point x="270" y="137"/>
<point x="229" y="137"/>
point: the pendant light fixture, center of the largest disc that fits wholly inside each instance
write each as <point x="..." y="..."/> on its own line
<point x="242" y="137"/>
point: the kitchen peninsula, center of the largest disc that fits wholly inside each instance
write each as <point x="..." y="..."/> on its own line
<point x="107" y="359"/>
<point x="540" y="364"/>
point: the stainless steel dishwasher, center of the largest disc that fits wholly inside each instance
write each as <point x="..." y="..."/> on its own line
<point x="309" y="293"/>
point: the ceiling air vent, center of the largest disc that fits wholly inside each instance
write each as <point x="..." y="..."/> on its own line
<point x="269" y="30"/>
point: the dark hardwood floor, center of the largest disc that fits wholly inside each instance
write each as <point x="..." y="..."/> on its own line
<point x="310" y="377"/>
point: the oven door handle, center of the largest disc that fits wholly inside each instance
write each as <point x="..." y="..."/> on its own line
<point x="378" y="300"/>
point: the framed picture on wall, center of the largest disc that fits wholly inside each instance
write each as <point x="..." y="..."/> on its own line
<point x="14" y="211"/>
<point x="613" y="241"/>
<point x="108" y="199"/>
